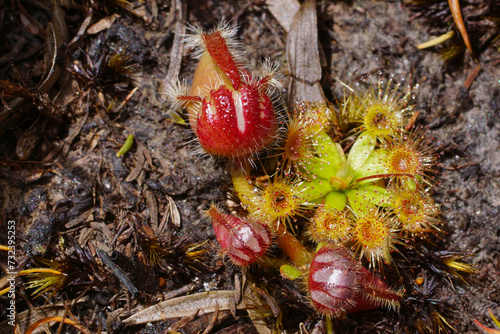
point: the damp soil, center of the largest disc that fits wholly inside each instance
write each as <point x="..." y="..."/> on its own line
<point x="71" y="190"/>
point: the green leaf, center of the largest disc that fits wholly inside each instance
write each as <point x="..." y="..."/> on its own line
<point x="374" y="165"/>
<point x="318" y="167"/>
<point x="127" y="145"/>
<point x="377" y="195"/>
<point x="336" y="200"/>
<point x="329" y="156"/>
<point x="364" y="198"/>
<point x="290" y="272"/>
<point x="361" y="150"/>
<point x="327" y="149"/>
<point x="314" y="189"/>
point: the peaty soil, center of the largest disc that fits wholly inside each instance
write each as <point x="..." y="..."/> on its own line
<point x="73" y="192"/>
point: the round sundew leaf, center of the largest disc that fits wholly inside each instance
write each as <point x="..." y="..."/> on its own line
<point x="361" y="150"/>
<point x="374" y="232"/>
<point x="318" y="167"/>
<point x="327" y="149"/>
<point x="330" y="224"/>
<point x="382" y="119"/>
<point x="336" y="200"/>
<point x="314" y="189"/>
<point x="374" y="165"/>
<point x="279" y="200"/>
<point x="362" y="200"/>
<point x="375" y="194"/>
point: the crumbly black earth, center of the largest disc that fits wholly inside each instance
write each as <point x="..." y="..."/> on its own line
<point x="83" y="194"/>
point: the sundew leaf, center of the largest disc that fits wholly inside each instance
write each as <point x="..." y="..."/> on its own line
<point x="374" y="165"/>
<point x="329" y="157"/>
<point x="317" y="167"/>
<point x="361" y="150"/>
<point x="327" y="149"/>
<point x="363" y="198"/>
<point x="314" y="189"/>
<point x="336" y="200"/>
<point x="377" y="195"/>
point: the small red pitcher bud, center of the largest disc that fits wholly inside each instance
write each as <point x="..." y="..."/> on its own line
<point x="338" y="284"/>
<point x="244" y="240"/>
